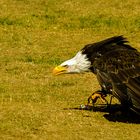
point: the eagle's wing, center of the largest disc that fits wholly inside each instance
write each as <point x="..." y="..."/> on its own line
<point x="123" y="69"/>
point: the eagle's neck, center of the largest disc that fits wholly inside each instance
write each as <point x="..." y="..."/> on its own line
<point x="79" y="63"/>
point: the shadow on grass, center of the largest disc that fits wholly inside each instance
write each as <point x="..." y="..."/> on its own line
<point x="114" y="113"/>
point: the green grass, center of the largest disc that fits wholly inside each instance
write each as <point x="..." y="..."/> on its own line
<point x="37" y="35"/>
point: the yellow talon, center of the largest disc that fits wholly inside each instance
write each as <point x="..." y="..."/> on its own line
<point x="95" y="96"/>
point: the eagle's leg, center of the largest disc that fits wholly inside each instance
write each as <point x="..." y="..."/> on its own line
<point x="97" y="95"/>
<point x="110" y="100"/>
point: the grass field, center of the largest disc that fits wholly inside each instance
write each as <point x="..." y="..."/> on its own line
<point x="37" y="35"/>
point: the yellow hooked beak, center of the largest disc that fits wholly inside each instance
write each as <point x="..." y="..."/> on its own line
<point x="59" y="70"/>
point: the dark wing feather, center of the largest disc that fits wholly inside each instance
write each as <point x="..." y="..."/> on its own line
<point x="102" y="47"/>
<point x="123" y="69"/>
<point x="133" y="85"/>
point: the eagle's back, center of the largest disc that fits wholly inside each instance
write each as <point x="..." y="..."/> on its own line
<point x="96" y="50"/>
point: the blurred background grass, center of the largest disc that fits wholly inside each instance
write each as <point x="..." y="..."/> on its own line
<point x="37" y="35"/>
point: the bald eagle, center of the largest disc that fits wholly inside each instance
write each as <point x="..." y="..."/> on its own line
<point x="117" y="67"/>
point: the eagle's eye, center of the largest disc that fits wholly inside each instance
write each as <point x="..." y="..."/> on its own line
<point x="66" y="66"/>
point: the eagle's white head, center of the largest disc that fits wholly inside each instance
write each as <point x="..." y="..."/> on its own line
<point x="78" y="64"/>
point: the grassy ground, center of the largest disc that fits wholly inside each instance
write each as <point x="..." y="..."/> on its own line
<point x="37" y="35"/>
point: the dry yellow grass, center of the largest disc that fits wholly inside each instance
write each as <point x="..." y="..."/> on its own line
<point x="37" y="35"/>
